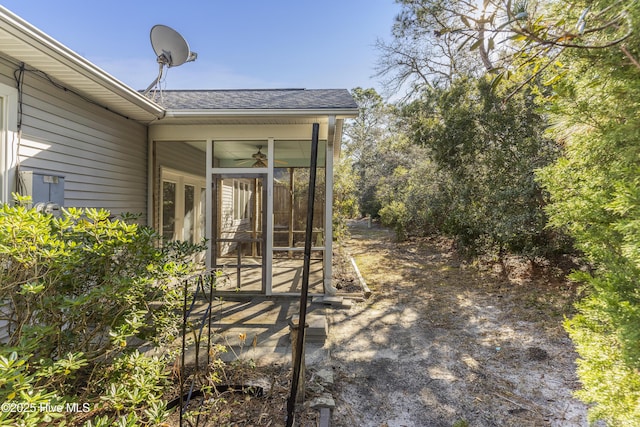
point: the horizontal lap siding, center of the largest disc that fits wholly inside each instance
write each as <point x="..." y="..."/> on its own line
<point x="182" y="157"/>
<point x="4" y="324"/>
<point x="230" y="226"/>
<point x="178" y="156"/>
<point x="102" y="155"/>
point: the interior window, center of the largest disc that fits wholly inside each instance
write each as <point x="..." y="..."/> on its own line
<point x="241" y="199"/>
<point x="168" y="210"/>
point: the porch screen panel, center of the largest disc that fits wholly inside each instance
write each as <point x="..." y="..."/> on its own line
<point x="292" y="160"/>
<point x="290" y="192"/>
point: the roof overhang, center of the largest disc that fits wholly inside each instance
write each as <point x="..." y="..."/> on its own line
<point x="25" y="43"/>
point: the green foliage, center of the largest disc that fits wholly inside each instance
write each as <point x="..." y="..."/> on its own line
<point x="472" y="174"/>
<point x="364" y="147"/>
<point x="75" y="293"/>
<point x="135" y="386"/>
<point x="475" y="180"/>
<point x="23" y="397"/>
<point x="82" y="282"/>
<point x="345" y="199"/>
<point x="595" y="197"/>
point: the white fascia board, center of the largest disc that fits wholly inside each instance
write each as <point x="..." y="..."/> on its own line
<point x="48" y="46"/>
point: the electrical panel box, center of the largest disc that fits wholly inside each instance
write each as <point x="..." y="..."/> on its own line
<point x="43" y="188"/>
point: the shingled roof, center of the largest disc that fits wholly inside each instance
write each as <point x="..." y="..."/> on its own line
<point x="256" y="99"/>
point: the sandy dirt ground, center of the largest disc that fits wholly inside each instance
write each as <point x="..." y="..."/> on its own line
<point x="441" y="342"/>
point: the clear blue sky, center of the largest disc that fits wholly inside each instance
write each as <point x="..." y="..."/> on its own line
<point x="240" y="43"/>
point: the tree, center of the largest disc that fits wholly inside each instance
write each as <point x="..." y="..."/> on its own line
<point x="424" y="52"/>
<point x="473" y="179"/>
<point x="438" y="40"/>
<point x="364" y="134"/>
<point x="588" y="53"/>
<point x="595" y="196"/>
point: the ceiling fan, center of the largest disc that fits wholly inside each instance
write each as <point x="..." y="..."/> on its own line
<point x="259" y="159"/>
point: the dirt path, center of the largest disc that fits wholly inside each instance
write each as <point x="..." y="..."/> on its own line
<point x="440" y="343"/>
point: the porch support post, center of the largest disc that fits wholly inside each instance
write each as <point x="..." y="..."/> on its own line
<point x="254" y="219"/>
<point x="9" y="147"/>
<point x="209" y="204"/>
<point x="268" y="230"/>
<point x="291" y="201"/>
<point x="328" y="209"/>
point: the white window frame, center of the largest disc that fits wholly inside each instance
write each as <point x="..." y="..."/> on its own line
<point x="241" y="201"/>
<point x="181" y="179"/>
<point x="8" y="141"/>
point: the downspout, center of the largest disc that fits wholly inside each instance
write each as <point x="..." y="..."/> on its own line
<point x="150" y="181"/>
<point x="328" y="211"/>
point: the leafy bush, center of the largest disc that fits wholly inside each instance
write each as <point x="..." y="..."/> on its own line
<point x="595" y="197"/>
<point x="471" y="170"/>
<point x="135" y="386"/>
<point x="78" y="293"/>
<point x="345" y="201"/>
<point x="395" y="214"/>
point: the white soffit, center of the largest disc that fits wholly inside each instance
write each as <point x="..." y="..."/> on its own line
<point x="25" y="43"/>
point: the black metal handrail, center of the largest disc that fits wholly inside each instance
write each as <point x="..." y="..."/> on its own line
<point x="203" y="285"/>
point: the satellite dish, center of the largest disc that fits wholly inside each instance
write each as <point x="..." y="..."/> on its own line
<point x="171" y="49"/>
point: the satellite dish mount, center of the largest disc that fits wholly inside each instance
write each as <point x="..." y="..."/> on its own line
<point x="171" y="48"/>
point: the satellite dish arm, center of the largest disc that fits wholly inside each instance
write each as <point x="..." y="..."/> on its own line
<point x="155" y="82"/>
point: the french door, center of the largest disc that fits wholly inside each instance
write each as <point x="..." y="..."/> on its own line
<point x="182" y="206"/>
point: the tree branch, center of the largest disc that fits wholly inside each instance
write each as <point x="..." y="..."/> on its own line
<point x="628" y="54"/>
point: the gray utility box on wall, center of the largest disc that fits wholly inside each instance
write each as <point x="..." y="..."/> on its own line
<point x="43" y="188"/>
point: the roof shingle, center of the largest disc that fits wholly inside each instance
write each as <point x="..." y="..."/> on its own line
<point x="259" y="99"/>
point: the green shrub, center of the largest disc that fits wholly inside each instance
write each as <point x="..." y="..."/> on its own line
<point x="595" y="197"/>
<point x="395" y="215"/>
<point x="136" y="385"/>
<point x="470" y="170"/>
<point x="77" y="294"/>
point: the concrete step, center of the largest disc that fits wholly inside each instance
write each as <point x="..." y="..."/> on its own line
<point x="317" y="329"/>
<point x="333" y="301"/>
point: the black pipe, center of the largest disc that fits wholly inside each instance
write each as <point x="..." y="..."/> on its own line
<point x="305" y="276"/>
<point x="184" y="345"/>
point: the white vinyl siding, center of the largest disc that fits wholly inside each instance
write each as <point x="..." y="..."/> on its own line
<point x="236" y="200"/>
<point x="102" y="156"/>
<point x="4" y="324"/>
<point x="241" y="197"/>
<point x="180" y="158"/>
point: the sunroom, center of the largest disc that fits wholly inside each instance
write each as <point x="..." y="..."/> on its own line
<point x="232" y="167"/>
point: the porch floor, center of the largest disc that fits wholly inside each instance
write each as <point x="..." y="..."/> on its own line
<point x="287" y="276"/>
<point x="258" y="329"/>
